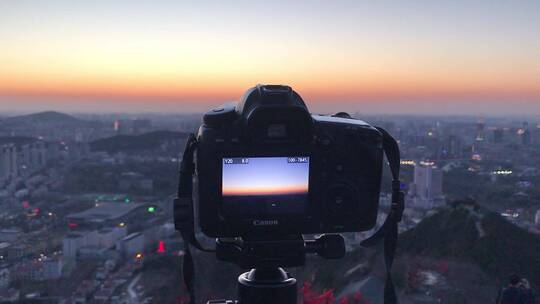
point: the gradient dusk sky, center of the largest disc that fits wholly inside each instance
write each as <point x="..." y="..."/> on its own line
<point x="264" y="176"/>
<point x="422" y="57"/>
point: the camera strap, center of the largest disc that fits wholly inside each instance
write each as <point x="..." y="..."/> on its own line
<point x="389" y="229"/>
<point x="183" y="215"/>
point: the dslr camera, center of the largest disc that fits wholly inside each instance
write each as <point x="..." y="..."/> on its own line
<point x="266" y="166"/>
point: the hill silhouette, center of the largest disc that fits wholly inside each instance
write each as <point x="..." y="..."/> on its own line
<point x="43" y="120"/>
<point x="42" y="117"/>
<point x="136" y="143"/>
<point x="473" y="234"/>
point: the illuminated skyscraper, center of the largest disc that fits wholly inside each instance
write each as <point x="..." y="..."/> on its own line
<point x="480" y="126"/>
<point x="116" y="126"/>
<point x="427" y="186"/>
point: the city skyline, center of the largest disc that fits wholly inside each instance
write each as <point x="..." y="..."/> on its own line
<point x="404" y="57"/>
<point x="87" y="207"/>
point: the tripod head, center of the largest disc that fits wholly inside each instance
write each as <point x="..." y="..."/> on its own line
<point x="267" y="282"/>
<point x="285" y="251"/>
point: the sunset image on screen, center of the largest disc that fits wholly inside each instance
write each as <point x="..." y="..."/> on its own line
<point x="265" y="176"/>
<point x="267" y="190"/>
<point x="265" y="185"/>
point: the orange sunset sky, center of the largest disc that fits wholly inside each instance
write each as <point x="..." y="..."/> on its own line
<point x="265" y="191"/>
<point x="459" y="57"/>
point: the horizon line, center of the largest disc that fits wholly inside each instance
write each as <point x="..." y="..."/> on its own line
<point x="12" y="113"/>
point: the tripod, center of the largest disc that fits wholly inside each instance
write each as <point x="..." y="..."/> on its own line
<point x="267" y="282"/>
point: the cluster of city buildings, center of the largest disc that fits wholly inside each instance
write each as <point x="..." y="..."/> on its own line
<point x="20" y="159"/>
<point x="115" y="237"/>
<point x="501" y="150"/>
<point x="114" y="230"/>
<point x="89" y="243"/>
<point x="98" y="244"/>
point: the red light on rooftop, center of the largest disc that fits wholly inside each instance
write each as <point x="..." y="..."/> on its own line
<point x="73" y="225"/>
<point x="161" y="247"/>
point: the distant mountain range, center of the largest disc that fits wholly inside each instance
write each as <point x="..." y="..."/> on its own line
<point x="479" y="236"/>
<point x="137" y="143"/>
<point x="41" y="117"/>
<point x="45" y="119"/>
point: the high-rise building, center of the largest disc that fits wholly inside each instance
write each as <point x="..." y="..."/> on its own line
<point x="8" y="162"/>
<point x="38" y="156"/>
<point x="74" y="241"/>
<point x="34" y="156"/>
<point x="498" y="135"/>
<point x="132" y="126"/>
<point x="525" y="134"/>
<point x="453" y="146"/>
<point x="116" y="126"/>
<point x="52" y="268"/>
<point x="428" y="186"/>
<point x="104" y="238"/>
<point x="480" y="126"/>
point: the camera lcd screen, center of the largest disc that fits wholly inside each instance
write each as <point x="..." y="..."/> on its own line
<point x="261" y="186"/>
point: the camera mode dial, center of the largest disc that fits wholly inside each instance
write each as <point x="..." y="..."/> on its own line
<point x="219" y="116"/>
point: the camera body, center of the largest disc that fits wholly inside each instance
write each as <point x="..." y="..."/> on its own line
<point x="266" y="166"/>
